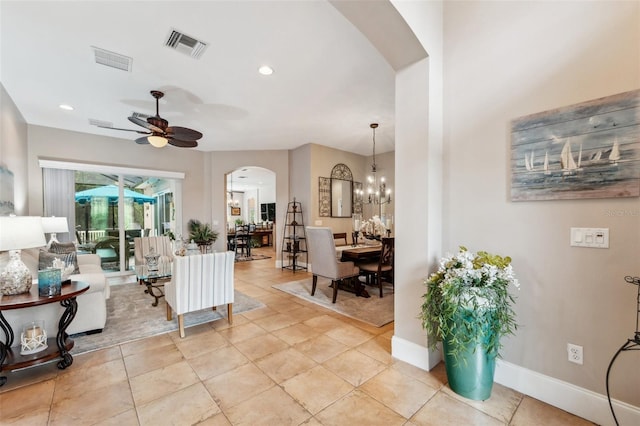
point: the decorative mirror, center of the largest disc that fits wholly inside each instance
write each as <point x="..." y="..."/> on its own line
<point x="341" y="191"/>
<point x="337" y="196"/>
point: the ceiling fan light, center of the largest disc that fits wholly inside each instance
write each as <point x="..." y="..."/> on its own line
<point x="157" y="141"/>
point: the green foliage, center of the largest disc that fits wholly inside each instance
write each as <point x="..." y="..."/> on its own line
<point x="201" y="233"/>
<point x="468" y="301"/>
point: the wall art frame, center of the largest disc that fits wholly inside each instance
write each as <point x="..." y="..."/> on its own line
<point x="586" y="150"/>
<point x="6" y="192"/>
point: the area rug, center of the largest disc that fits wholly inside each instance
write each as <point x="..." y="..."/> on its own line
<point x="373" y="310"/>
<point x="130" y="316"/>
<point x="252" y="257"/>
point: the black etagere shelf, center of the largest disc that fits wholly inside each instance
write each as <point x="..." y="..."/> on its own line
<point x="294" y="240"/>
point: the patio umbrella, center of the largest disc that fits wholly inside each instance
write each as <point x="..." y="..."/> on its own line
<point x="111" y="192"/>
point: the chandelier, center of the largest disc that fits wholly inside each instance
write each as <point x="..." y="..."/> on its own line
<point x="377" y="191"/>
<point x="232" y="202"/>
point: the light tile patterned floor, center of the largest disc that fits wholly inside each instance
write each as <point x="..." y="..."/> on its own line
<point x="289" y="363"/>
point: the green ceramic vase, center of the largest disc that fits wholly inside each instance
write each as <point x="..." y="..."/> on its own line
<point x="471" y="375"/>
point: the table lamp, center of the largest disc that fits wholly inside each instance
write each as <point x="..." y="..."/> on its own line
<point x="52" y="225"/>
<point x="17" y="233"/>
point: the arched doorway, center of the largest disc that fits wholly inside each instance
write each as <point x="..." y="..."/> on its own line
<point x="251" y="200"/>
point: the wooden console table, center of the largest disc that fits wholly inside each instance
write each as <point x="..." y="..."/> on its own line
<point x="58" y="347"/>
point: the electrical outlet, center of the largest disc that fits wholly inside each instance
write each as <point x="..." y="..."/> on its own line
<point x="574" y="353"/>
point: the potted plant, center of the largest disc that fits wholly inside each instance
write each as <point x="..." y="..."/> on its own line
<point x="202" y="234"/>
<point x="468" y="307"/>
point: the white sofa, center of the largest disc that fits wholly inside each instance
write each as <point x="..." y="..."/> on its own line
<point x="92" y="304"/>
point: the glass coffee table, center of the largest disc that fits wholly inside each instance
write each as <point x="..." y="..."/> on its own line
<point x="154" y="279"/>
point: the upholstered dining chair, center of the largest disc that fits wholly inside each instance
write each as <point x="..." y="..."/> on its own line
<point x="383" y="267"/>
<point x="322" y="255"/>
<point x="200" y="281"/>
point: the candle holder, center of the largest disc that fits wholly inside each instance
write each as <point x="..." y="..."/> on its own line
<point x="357" y="223"/>
<point x="33" y="338"/>
<point x="355" y="238"/>
<point x="49" y="282"/>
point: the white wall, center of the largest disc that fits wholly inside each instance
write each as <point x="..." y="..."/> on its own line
<point x="508" y="59"/>
<point x="419" y="196"/>
<point x="13" y="149"/>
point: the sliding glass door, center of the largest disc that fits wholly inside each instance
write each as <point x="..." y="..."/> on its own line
<point x="110" y="209"/>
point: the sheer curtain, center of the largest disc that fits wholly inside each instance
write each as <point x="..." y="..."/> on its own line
<point x="59" y="198"/>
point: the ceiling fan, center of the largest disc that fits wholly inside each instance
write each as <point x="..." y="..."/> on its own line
<point x="159" y="131"/>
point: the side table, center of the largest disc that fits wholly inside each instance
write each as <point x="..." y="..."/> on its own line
<point x="154" y="279"/>
<point x="58" y="347"/>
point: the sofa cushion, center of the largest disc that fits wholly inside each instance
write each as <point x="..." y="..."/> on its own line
<point x="45" y="261"/>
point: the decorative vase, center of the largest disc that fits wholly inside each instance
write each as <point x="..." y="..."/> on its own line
<point x="49" y="282"/>
<point x="471" y="374"/>
<point x="16" y="278"/>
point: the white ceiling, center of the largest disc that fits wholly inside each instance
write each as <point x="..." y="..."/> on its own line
<point x="329" y="81"/>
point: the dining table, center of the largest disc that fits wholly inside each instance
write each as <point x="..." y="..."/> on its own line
<point x="359" y="253"/>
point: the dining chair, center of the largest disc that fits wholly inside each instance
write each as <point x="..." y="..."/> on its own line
<point x="322" y="254"/>
<point x="337" y="236"/>
<point x="242" y="241"/>
<point x="383" y="267"/>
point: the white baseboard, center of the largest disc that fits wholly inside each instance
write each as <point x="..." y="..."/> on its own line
<point x="573" y="399"/>
<point x="414" y="354"/>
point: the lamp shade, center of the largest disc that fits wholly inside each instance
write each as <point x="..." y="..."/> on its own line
<point x="21" y="232"/>
<point x="54" y="224"/>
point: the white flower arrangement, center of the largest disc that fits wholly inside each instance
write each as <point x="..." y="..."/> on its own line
<point x="373" y="226"/>
<point x="476" y="287"/>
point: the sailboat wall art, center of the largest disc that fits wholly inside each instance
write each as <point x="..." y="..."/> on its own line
<point x="587" y="150"/>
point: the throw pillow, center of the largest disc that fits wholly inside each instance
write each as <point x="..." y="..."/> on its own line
<point x="45" y="260"/>
<point x="57" y="247"/>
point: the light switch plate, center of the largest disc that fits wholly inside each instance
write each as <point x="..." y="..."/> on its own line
<point x="590" y="237"/>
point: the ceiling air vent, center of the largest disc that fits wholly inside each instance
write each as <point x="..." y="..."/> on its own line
<point x="100" y="123"/>
<point x="111" y="59"/>
<point x="185" y="44"/>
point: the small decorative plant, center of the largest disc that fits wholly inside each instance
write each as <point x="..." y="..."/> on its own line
<point x="468" y="303"/>
<point x="201" y="233"/>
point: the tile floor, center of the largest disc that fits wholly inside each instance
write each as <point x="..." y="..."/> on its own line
<point x="289" y="363"/>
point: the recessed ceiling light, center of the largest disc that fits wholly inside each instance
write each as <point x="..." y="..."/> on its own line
<point x="66" y="107"/>
<point x="265" y="70"/>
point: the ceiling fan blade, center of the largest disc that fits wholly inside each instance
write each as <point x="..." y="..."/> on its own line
<point x="142" y="141"/>
<point x="143" y="123"/>
<point x="183" y="133"/>
<point x="182" y="144"/>
<point x="126" y="130"/>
